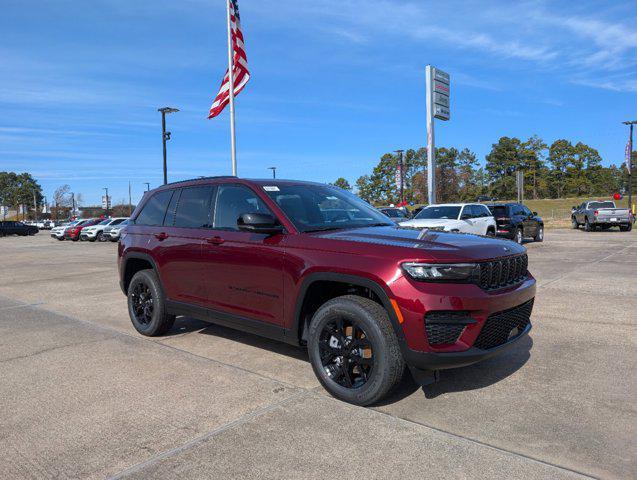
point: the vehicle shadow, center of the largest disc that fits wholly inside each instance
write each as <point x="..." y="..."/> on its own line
<point x="483" y="374"/>
<point x="473" y="377"/>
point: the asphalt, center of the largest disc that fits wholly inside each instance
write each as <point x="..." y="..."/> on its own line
<point x="82" y="395"/>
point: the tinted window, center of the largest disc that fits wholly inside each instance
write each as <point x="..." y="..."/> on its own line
<point x="232" y="201"/>
<point x="527" y="211"/>
<point x="518" y="210"/>
<point x="193" y="208"/>
<point x="155" y="209"/>
<point x="601" y="205"/>
<point x="439" y="212"/>
<point x="483" y="211"/>
<point x="117" y="222"/>
<point x="499" y="211"/>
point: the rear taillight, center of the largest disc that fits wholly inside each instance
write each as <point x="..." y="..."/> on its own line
<point x="596" y="212"/>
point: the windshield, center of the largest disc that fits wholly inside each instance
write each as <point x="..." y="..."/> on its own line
<point x="439" y="212"/>
<point x="601" y="205"/>
<point x="105" y="222"/>
<point x="321" y="207"/>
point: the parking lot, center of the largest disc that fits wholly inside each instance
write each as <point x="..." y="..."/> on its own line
<point x="84" y="396"/>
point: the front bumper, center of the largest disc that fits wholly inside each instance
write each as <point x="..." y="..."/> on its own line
<point x="418" y="299"/>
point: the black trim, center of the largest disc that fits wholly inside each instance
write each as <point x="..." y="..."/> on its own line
<point x="139" y="256"/>
<point x="442" y="361"/>
<point x="346" y="279"/>
<point x="237" y="322"/>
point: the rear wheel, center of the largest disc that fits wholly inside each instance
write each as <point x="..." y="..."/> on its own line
<point x="587" y="226"/>
<point x="354" y="350"/>
<point x="490" y="232"/>
<point x="626" y="228"/>
<point x="146" y="306"/>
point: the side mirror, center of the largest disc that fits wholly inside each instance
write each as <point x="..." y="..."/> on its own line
<point x="259" y="223"/>
<point x="535" y="213"/>
<point x="573" y="208"/>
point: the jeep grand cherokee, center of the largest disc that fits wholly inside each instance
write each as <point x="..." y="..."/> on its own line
<point x="315" y="266"/>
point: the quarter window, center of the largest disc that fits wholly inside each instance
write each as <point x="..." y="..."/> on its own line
<point x="153" y="212"/>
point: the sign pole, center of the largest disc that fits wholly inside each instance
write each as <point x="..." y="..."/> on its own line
<point x="431" y="147"/>
<point x="233" y="140"/>
<point x="630" y="170"/>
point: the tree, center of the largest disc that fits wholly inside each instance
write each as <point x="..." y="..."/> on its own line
<point x="19" y="189"/>
<point x="505" y="158"/>
<point x="364" y="188"/>
<point x="533" y="163"/>
<point x="342" y="183"/>
<point x="560" y="157"/>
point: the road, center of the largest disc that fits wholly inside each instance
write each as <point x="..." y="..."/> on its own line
<point x="84" y="396"/>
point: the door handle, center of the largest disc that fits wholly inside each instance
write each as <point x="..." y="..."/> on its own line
<point x="161" y="236"/>
<point x="216" y="240"/>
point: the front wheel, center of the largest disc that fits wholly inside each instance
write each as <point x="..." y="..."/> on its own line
<point x="146" y="306"/>
<point x="519" y="236"/>
<point x="354" y="350"/>
<point x="539" y="236"/>
<point x="574" y="224"/>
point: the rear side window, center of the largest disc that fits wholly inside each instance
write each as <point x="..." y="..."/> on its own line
<point x="193" y="207"/>
<point x="153" y="212"/>
<point x="499" y="211"/>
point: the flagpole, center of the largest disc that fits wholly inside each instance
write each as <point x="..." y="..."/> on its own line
<point x="233" y="139"/>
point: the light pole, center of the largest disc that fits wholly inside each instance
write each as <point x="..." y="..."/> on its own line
<point x="629" y="165"/>
<point x="165" y="135"/>
<point x="106" y="208"/>
<point x="273" y="171"/>
<point x="402" y="176"/>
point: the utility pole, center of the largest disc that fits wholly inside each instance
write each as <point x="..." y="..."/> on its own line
<point x="35" y="204"/>
<point x="106" y="207"/>
<point x="273" y="171"/>
<point x="72" y="204"/>
<point x="402" y="176"/>
<point x="165" y="135"/>
<point x="130" y="200"/>
<point x="629" y="164"/>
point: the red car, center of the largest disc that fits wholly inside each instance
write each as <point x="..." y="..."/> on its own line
<point x="313" y="265"/>
<point x="73" y="231"/>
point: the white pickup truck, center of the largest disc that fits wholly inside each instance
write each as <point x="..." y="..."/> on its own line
<point x="602" y="214"/>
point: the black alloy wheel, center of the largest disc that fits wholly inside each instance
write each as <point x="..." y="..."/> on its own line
<point x="519" y="237"/>
<point x="346" y="353"/>
<point x="142" y="303"/>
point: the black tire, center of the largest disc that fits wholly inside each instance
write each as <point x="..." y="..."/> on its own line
<point x="626" y="228"/>
<point x="100" y="237"/>
<point x="490" y="232"/>
<point x="370" y="327"/>
<point x="539" y="235"/>
<point x="574" y="224"/>
<point x="587" y="225"/>
<point x="91" y="239"/>
<point x="146" y="306"/>
<point x="519" y="236"/>
<point x="61" y="239"/>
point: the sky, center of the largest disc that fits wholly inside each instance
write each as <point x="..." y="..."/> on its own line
<point x="334" y="84"/>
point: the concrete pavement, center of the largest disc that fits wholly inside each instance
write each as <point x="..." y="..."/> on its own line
<point x="85" y="396"/>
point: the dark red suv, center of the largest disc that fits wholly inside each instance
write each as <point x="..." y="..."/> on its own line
<point x="313" y="265"/>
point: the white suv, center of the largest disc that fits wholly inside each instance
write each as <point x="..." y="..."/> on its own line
<point x="455" y="217"/>
<point x="95" y="232"/>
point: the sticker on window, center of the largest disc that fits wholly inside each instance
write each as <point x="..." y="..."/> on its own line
<point x="270" y="188"/>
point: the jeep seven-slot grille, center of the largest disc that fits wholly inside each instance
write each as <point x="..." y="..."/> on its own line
<point x="444" y="327"/>
<point x="504" y="272"/>
<point x="503" y="326"/>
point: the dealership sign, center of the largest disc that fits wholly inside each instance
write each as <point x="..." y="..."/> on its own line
<point x="441" y="91"/>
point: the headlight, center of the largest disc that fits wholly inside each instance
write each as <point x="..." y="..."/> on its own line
<point x="439" y="272"/>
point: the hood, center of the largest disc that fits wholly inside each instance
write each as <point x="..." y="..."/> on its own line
<point x="434" y="244"/>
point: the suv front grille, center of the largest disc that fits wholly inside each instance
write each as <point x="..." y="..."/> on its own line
<point x="504" y="272"/>
<point x="503" y="326"/>
<point x="445" y="327"/>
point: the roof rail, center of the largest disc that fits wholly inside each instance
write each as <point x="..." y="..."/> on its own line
<point x="200" y="178"/>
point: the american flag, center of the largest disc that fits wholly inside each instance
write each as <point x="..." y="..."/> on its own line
<point x="239" y="61"/>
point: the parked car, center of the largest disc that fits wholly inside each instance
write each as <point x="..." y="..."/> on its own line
<point x="96" y="232"/>
<point x="396" y="214"/>
<point x="515" y="222"/>
<point x="57" y="232"/>
<point x="73" y="232"/>
<point x="602" y="214"/>
<point x="364" y="296"/>
<point x="455" y="217"/>
<point x="10" y="227"/>
<point x="113" y="233"/>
